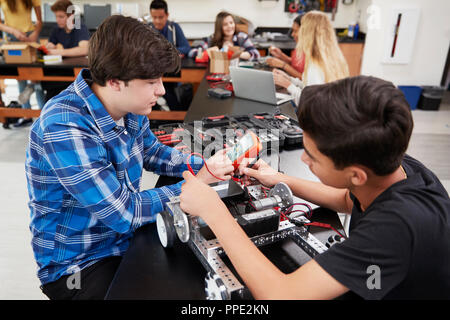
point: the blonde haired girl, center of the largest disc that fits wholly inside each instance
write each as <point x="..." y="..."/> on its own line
<point x="324" y="61"/>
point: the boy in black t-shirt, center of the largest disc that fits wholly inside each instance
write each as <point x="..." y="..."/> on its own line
<point x="356" y="133"/>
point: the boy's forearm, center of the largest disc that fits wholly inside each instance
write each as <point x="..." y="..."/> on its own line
<point x="75" y="52"/>
<point x="7" y="29"/>
<point x="258" y="273"/>
<point x="318" y="193"/>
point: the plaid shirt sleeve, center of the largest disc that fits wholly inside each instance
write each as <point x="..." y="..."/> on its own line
<point x="84" y="174"/>
<point x="80" y="162"/>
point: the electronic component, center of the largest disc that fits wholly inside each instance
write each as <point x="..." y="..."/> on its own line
<point x="246" y="147"/>
<point x="289" y="131"/>
<point x="219" y="93"/>
<point x="332" y="240"/>
<point x="274" y="131"/>
<point x="176" y="136"/>
<point x="259" y="222"/>
<point x="279" y="196"/>
<point x="269" y="138"/>
<point x="215" y="77"/>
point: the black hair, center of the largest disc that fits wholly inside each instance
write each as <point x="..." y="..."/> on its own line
<point x="359" y="120"/>
<point x="298" y="19"/>
<point x="159" y="4"/>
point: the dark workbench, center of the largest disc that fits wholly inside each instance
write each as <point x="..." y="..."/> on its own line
<point x="72" y="62"/>
<point x="204" y="106"/>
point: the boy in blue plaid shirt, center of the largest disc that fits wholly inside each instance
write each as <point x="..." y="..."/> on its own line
<point x="86" y="155"/>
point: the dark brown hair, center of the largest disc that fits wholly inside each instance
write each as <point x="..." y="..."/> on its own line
<point x="159" y="4"/>
<point x="125" y="49"/>
<point x="360" y="120"/>
<point x="12" y="4"/>
<point x="298" y="19"/>
<point x="61" y="5"/>
<point x="217" y="39"/>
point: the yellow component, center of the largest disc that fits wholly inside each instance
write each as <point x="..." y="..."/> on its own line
<point x="343" y="33"/>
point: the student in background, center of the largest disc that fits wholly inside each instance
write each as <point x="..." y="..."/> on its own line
<point x="324" y="61"/>
<point x="226" y="35"/>
<point x="293" y="65"/>
<point x="18" y="22"/>
<point x="18" y="26"/>
<point x="169" y="29"/>
<point x="73" y="39"/>
<point x="174" y="97"/>
<point x="67" y="40"/>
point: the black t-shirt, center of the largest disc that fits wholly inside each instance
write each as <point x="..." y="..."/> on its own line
<point x="69" y="40"/>
<point x="399" y="247"/>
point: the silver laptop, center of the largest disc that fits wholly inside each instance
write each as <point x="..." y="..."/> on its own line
<point x="256" y="85"/>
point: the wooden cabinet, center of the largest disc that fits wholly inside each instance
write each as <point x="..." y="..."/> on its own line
<point x="353" y="53"/>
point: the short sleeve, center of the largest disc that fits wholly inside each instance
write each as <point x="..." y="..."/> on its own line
<point x="376" y="257"/>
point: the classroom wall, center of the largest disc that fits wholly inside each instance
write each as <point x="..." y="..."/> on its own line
<point x="430" y="49"/>
<point x="260" y="13"/>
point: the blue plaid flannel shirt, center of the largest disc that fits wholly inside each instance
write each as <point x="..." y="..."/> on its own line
<point x="84" y="173"/>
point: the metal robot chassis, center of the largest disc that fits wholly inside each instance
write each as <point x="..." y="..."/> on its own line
<point x="221" y="283"/>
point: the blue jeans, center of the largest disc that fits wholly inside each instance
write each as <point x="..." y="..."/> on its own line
<point x="40" y="95"/>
